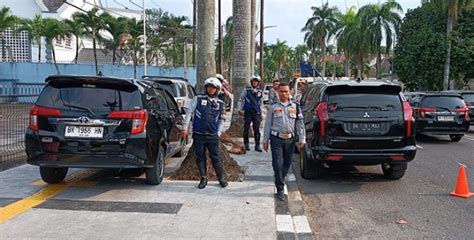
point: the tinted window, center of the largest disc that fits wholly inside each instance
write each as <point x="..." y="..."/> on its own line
<point x="267" y="88"/>
<point x="369" y="101"/>
<point x="190" y="91"/>
<point x="170" y="88"/>
<point x="95" y="99"/>
<point x="468" y="97"/>
<point x="182" y="89"/>
<point x="450" y="102"/>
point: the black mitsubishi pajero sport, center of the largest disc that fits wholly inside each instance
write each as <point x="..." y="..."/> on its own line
<point x="359" y="123"/>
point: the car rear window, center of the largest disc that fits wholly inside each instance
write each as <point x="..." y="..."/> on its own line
<point x="451" y="102"/>
<point x="468" y="97"/>
<point x="364" y="101"/>
<point x="267" y="88"/>
<point x="94" y="98"/>
<point x="169" y="87"/>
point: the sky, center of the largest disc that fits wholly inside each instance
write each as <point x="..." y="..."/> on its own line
<point x="288" y="16"/>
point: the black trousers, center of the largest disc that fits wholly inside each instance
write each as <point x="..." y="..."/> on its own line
<point x="282" y="152"/>
<point x="254" y="118"/>
<point x="211" y="144"/>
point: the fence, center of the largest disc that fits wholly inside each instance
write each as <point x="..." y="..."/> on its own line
<point x="16" y="100"/>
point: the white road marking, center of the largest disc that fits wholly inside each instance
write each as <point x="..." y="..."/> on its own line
<point x="301" y="224"/>
<point x="418" y="146"/>
<point x="284" y="223"/>
<point x="470" y="138"/>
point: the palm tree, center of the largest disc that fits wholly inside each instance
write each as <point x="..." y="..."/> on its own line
<point x="300" y="52"/>
<point x="281" y="53"/>
<point x="451" y="8"/>
<point x="228" y="43"/>
<point x="173" y="28"/>
<point x="380" y="19"/>
<point x="320" y="25"/>
<point x="116" y="28"/>
<point x="53" y="29"/>
<point x="134" y="42"/>
<point x="75" y="28"/>
<point x="7" y="20"/>
<point x="92" y="22"/>
<point x="35" y="28"/>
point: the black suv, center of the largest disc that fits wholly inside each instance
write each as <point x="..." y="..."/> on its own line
<point x="360" y="123"/>
<point x="468" y="96"/>
<point x="102" y="122"/>
<point x="441" y="114"/>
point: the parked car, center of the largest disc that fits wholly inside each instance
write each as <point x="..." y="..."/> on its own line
<point x="441" y="114"/>
<point x="359" y="123"/>
<point x="468" y="96"/>
<point x="101" y="122"/>
<point x="179" y="87"/>
<point x="266" y="93"/>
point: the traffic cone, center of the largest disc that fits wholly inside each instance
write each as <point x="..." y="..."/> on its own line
<point x="462" y="186"/>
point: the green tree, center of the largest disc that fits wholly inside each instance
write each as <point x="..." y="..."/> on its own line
<point x="280" y="53"/>
<point x="380" y="19"/>
<point x="7" y="20"/>
<point x="174" y="29"/>
<point x="420" y="50"/>
<point x="53" y="29"/>
<point x="319" y="27"/>
<point x="451" y="8"/>
<point x="228" y="43"/>
<point x="76" y="29"/>
<point x="116" y="28"/>
<point x="93" y="22"/>
<point x="342" y="32"/>
<point x="134" y="42"/>
<point x="35" y="28"/>
<point x="463" y="48"/>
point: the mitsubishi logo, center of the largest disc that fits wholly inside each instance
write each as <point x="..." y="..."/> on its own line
<point x="84" y="119"/>
<point x="366" y="115"/>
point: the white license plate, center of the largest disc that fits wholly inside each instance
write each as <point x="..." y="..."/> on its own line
<point x="446" y="118"/>
<point x="84" y="132"/>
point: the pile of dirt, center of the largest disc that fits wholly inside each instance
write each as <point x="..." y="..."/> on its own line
<point x="233" y="146"/>
<point x="189" y="170"/>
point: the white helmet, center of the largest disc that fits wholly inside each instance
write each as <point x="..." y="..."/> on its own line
<point x="214" y="82"/>
<point x="255" y="78"/>
<point x="220" y="77"/>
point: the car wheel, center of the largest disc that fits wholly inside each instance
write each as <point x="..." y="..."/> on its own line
<point x="308" y="167"/>
<point x="53" y="175"/>
<point x="154" y="175"/>
<point x="394" y="171"/>
<point x="455" y="137"/>
<point x="131" y="172"/>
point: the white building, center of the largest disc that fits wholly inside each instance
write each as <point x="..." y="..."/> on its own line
<point x="22" y="49"/>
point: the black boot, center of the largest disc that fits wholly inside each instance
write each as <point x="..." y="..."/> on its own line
<point x="202" y="183"/>
<point x="219" y="169"/>
<point x="223" y="183"/>
<point x="202" y="173"/>
<point x="257" y="142"/>
<point x="246" y="140"/>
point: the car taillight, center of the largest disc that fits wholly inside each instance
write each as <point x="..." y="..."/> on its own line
<point x="37" y="111"/>
<point x="464" y="111"/>
<point x="407" y="116"/>
<point x="322" y="113"/>
<point x="423" y="111"/>
<point x="138" y="117"/>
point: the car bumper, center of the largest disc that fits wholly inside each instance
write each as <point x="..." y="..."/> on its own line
<point x="365" y="156"/>
<point x="439" y="129"/>
<point x="87" y="161"/>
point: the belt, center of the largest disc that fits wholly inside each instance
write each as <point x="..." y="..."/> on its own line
<point x="284" y="136"/>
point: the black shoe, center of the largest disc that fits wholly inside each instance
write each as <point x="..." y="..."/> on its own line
<point x="258" y="149"/>
<point x="247" y="147"/>
<point x="280" y="196"/>
<point x="202" y="183"/>
<point x="223" y="183"/>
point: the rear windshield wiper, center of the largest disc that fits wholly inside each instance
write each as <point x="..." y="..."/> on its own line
<point x="445" y="108"/>
<point x="79" y="107"/>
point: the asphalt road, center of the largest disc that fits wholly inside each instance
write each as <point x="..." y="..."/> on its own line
<point x="360" y="203"/>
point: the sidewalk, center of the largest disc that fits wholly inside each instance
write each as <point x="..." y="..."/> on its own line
<point x="96" y="205"/>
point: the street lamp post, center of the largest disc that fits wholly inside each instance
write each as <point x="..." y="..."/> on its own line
<point x="144" y="38"/>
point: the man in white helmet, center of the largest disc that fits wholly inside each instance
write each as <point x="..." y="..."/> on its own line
<point x="208" y="112"/>
<point x="250" y="105"/>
